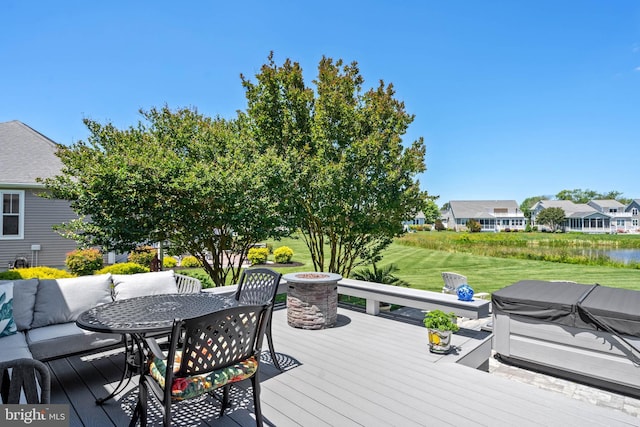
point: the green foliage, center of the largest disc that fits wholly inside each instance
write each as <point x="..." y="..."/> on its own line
<point x="190" y="261"/>
<point x="123" y="268"/>
<point x="551" y="217"/>
<point x="204" y="278"/>
<point x="42" y="273"/>
<point x="474" y="226"/>
<point x="169" y="262"/>
<point x="584" y="196"/>
<point x="270" y="247"/>
<point x="528" y="203"/>
<point x="258" y="255"/>
<point x="439" y="225"/>
<point x="142" y="255"/>
<point x="83" y="262"/>
<point x="431" y="212"/>
<point x="224" y="188"/>
<point x="355" y="180"/>
<point x="283" y="255"/>
<point x="382" y="275"/>
<point x="438" y="319"/>
<point x="10" y="275"/>
<point x="420" y="227"/>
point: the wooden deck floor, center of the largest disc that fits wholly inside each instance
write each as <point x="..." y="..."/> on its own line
<point x="367" y="371"/>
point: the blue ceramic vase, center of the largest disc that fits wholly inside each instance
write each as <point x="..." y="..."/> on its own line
<point x="465" y="292"/>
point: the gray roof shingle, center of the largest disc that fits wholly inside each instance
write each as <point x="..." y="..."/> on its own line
<point x="25" y="155"/>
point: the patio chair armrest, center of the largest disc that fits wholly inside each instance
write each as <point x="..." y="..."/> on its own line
<point x="153" y="345"/>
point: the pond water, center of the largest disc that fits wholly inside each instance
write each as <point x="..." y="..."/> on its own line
<point x="621" y="255"/>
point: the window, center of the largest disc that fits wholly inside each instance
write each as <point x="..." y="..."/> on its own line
<point x="12" y="214"/>
<point x="634" y="211"/>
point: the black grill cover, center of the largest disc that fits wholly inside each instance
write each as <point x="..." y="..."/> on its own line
<point x="572" y="304"/>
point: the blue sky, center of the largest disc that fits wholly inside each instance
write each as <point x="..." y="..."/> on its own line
<point x="514" y="98"/>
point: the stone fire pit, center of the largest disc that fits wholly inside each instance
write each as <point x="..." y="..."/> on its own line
<point x="312" y="299"/>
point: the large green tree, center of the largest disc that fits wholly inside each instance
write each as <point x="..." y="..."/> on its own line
<point x="431" y="211"/>
<point x="354" y="180"/>
<point x="551" y="217"/>
<point x="197" y="182"/>
<point x="528" y="203"/>
<point x="584" y="196"/>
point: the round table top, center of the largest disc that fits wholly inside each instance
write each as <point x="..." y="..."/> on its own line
<point x="151" y="313"/>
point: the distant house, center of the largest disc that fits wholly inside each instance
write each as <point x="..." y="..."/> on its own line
<point x="419" y="219"/>
<point x="493" y="215"/>
<point x="27" y="219"/>
<point x="580" y="217"/>
<point x="633" y="208"/>
<point x="620" y="219"/>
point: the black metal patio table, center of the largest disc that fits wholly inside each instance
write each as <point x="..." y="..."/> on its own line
<point x="148" y="315"/>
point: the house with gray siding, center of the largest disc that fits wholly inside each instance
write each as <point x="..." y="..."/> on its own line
<point x="493" y="215"/>
<point x="27" y="219"/>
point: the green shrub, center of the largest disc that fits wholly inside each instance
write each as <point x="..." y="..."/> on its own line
<point x="83" y="262"/>
<point x="169" y="262"/>
<point x="142" y="255"/>
<point x="474" y="226"/>
<point x="270" y="247"/>
<point x="258" y="255"/>
<point x="10" y="275"/>
<point x="190" y="262"/>
<point x="42" y="273"/>
<point x="439" y="225"/>
<point x="123" y="268"/>
<point x="204" y="278"/>
<point x="283" y="254"/>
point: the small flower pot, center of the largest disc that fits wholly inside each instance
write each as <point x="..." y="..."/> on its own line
<point x="439" y="341"/>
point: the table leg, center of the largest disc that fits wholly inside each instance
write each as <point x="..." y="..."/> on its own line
<point x="130" y="365"/>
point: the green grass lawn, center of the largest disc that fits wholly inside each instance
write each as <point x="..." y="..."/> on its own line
<point x="422" y="267"/>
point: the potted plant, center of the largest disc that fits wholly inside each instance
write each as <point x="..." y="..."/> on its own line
<point x="440" y="326"/>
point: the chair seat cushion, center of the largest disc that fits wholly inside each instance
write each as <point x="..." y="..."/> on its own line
<point x="195" y="385"/>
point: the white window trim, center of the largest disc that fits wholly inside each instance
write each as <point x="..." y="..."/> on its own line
<point x="21" y="196"/>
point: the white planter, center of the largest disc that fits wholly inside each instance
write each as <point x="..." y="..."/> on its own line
<point x="439" y="341"/>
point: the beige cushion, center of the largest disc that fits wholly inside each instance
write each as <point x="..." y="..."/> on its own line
<point x="141" y="284"/>
<point x="62" y="300"/>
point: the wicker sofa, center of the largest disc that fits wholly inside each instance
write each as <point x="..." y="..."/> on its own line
<point x="45" y="310"/>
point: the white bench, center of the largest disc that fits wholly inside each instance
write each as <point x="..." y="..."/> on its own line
<point x="374" y="293"/>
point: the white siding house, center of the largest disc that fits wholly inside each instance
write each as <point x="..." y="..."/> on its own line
<point x="578" y="216"/>
<point x="633" y="209"/>
<point x="27" y="219"/>
<point x="493" y="215"/>
<point x="620" y="219"/>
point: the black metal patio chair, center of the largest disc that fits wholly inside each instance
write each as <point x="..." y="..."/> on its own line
<point x="260" y="286"/>
<point x="205" y="353"/>
<point x="27" y="376"/>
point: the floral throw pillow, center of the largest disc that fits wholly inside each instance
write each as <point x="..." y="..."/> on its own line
<point x="7" y="324"/>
